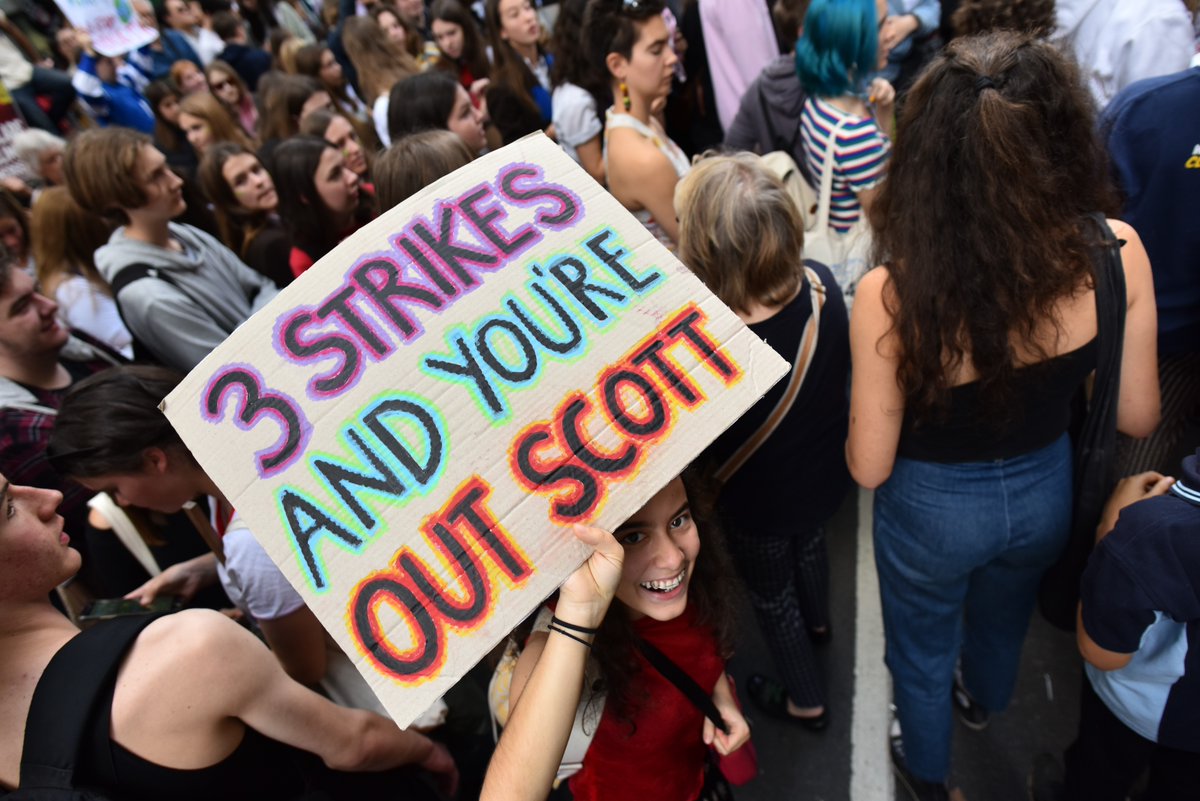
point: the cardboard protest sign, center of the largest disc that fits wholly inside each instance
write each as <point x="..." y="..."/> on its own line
<point x="410" y="426"/>
<point x="113" y="25"/>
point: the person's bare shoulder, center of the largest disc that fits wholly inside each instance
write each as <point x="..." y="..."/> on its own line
<point x="190" y="646"/>
<point x="631" y="153"/>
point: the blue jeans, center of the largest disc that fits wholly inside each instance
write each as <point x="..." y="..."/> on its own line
<point x="960" y="549"/>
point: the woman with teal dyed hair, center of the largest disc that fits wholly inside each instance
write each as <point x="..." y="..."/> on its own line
<point x="836" y="57"/>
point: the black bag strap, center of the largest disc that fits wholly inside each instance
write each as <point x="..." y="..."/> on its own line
<point x="685" y="683"/>
<point x="1096" y="442"/>
<point x="1097" y="445"/>
<point x="126" y="276"/>
<point x="136" y="272"/>
<point x="65" y="699"/>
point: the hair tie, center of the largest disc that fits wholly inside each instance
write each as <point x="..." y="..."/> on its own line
<point x="984" y="82"/>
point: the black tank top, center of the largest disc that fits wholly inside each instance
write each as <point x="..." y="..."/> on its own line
<point x="1039" y="414"/>
<point x="259" y="769"/>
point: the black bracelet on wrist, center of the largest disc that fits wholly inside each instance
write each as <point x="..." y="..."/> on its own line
<point x="566" y="633"/>
<point x="554" y="621"/>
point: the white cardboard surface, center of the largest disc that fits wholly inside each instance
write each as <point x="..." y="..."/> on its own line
<point x="113" y="24"/>
<point x="414" y="588"/>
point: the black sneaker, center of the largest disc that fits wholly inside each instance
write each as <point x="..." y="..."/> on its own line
<point x="916" y="789"/>
<point x="970" y="712"/>
<point x="1046" y="779"/>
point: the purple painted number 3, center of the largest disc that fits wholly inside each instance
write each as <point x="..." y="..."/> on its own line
<point x="254" y="405"/>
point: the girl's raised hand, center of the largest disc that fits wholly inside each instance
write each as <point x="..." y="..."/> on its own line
<point x="585" y="595"/>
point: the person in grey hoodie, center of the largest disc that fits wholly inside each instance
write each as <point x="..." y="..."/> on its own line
<point x="180" y="291"/>
<point x="768" y="117"/>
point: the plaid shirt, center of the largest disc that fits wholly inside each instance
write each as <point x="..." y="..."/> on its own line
<point x="25" y="432"/>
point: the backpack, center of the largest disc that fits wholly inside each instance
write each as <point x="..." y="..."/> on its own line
<point x="123" y="278"/>
<point x="63" y="705"/>
<point x="781" y="164"/>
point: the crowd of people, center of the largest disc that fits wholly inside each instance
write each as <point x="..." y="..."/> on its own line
<point x="1001" y="338"/>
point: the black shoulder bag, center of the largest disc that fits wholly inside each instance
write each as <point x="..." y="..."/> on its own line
<point x="1096" y="440"/>
<point x="716" y="786"/>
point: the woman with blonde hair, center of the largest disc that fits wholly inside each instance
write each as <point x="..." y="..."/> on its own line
<point x="228" y="87"/>
<point x="286" y="56"/>
<point x="64" y="239"/>
<point x="380" y="64"/>
<point x="741" y="233"/>
<point x="206" y="121"/>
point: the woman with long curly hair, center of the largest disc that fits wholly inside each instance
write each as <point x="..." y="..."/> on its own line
<point x="650" y="741"/>
<point x="205" y="120"/>
<point x="969" y="344"/>
<point x="984" y="16"/>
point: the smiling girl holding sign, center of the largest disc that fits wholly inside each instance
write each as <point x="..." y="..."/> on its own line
<point x="651" y="740"/>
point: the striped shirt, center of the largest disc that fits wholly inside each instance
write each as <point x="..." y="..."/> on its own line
<point x="860" y="157"/>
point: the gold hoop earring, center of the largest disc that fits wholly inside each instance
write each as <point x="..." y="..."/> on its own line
<point x="625" y="101"/>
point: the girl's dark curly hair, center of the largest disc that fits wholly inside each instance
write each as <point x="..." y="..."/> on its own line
<point x="983" y="16"/>
<point x="712" y="591"/>
<point x="981" y="219"/>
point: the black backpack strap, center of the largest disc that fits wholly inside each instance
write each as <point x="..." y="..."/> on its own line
<point x="123" y="278"/>
<point x="686" y="684"/>
<point x="65" y="697"/>
<point x="135" y="272"/>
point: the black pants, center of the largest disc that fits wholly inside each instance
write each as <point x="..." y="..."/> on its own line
<point x="53" y="84"/>
<point x="1108" y="757"/>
